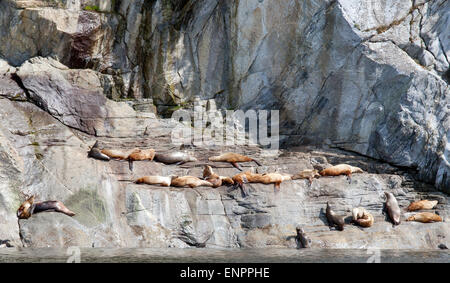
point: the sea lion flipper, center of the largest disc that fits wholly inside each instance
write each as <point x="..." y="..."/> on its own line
<point x="130" y="164"/>
<point x="277" y="187"/>
<point x="180" y="163"/>
<point x="256" y="161"/>
<point x="243" y="190"/>
<point x="236" y="165"/>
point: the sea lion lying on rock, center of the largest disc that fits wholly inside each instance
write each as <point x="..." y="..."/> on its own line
<point x="266" y="178"/>
<point x="425" y="217"/>
<point x="154" y="180"/>
<point x="233" y="158"/>
<point x="175" y="157"/>
<point x="392" y="208"/>
<point x="213" y="178"/>
<point x="189" y="181"/>
<point x="29" y="207"/>
<point x="422" y="204"/>
<point x="362" y="217"/>
<point x="309" y="174"/>
<point x="140" y="155"/>
<point x="341" y="169"/>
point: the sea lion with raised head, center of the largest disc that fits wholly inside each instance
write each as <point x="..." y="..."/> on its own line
<point x="302" y="238"/>
<point x="97" y="154"/>
<point x="309" y="174"/>
<point x="425" y="217"/>
<point x="29" y="207"/>
<point x="233" y="158"/>
<point x="140" y="155"/>
<point x="176" y="157"/>
<point x="213" y="178"/>
<point x="154" y="180"/>
<point x="392" y="208"/>
<point x="341" y="169"/>
<point x="334" y="219"/>
<point x="422" y="204"/>
<point x="189" y="181"/>
<point x="357" y="212"/>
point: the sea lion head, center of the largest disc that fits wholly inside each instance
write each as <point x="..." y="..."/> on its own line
<point x="207" y="171"/>
<point x="24" y="211"/>
<point x="315" y="173"/>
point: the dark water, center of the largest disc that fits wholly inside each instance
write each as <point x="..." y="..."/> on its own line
<point x="224" y="256"/>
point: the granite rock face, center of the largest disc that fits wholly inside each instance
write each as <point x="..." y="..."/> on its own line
<point x="364" y="82"/>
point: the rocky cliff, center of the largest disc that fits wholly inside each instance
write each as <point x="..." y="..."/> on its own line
<point x="364" y="83"/>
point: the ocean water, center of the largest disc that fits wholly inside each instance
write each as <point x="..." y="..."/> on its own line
<point x="199" y="255"/>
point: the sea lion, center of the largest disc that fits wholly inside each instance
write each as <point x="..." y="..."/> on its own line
<point x="302" y="238"/>
<point x="96" y="153"/>
<point x="174" y="157"/>
<point x="392" y="208"/>
<point x="140" y="155"/>
<point x="362" y="217"/>
<point x="213" y="178"/>
<point x="442" y="247"/>
<point x="5" y="244"/>
<point x="425" y="217"/>
<point x="333" y="219"/>
<point x="422" y="204"/>
<point x="154" y="180"/>
<point x="357" y="213"/>
<point x="266" y="178"/>
<point x="233" y="158"/>
<point x="309" y="174"/>
<point x="341" y="169"/>
<point x="29" y="207"/>
<point x="190" y="181"/>
<point x="118" y="154"/>
<point x="274" y="178"/>
<point x="245" y="177"/>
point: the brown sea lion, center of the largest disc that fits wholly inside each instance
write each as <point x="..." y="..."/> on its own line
<point x="341" y="169"/>
<point x="425" y="217"/>
<point x="422" y="204"/>
<point x="333" y="219"/>
<point x="176" y="157"/>
<point x="213" y="178"/>
<point x="154" y="180"/>
<point x="245" y="177"/>
<point x="233" y="158"/>
<point x="309" y="174"/>
<point x="190" y="181"/>
<point x="266" y="178"/>
<point x="140" y="155"/>
<point x="274" y="178"/>
<point x="362" y="217"/>
<point x="304" y="240"/>
<point x="118" y="154"/>
<point x="29" y="207"/>
<point x="96" y="153"/>
<point x="392" y="208"/>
